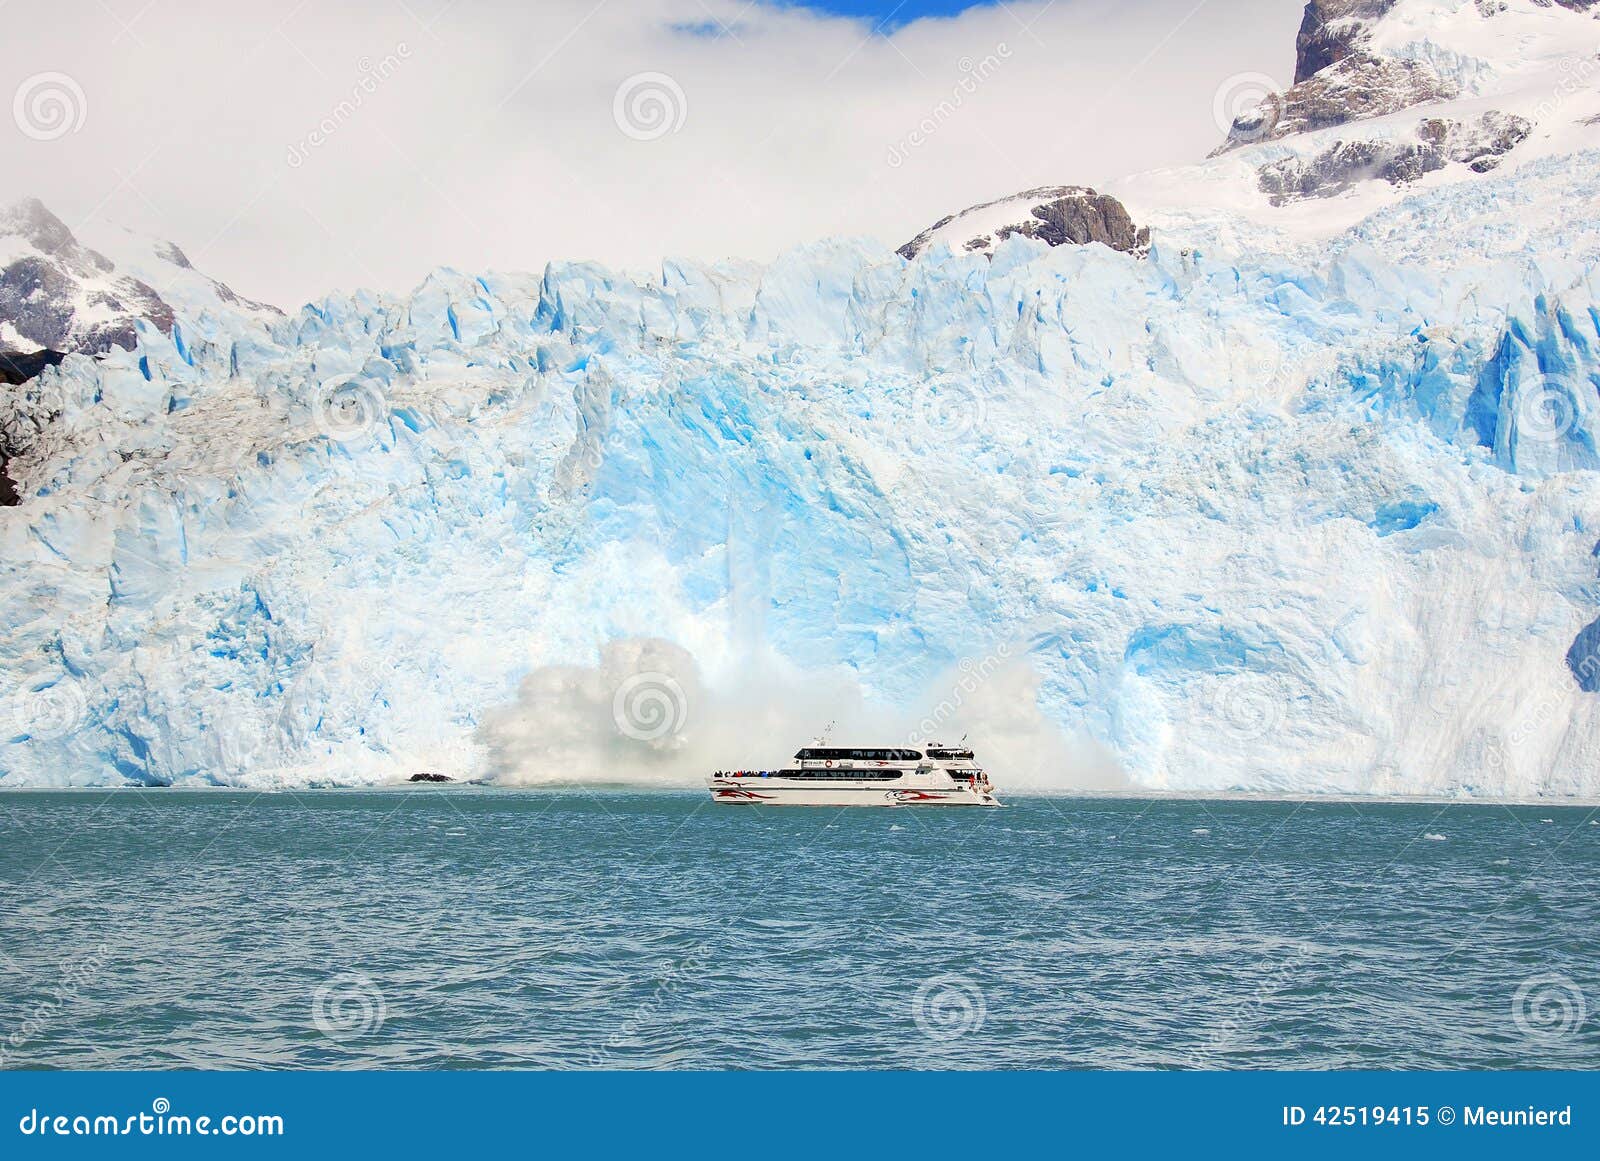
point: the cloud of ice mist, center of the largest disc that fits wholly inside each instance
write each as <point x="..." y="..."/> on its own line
<point x="645" y="715"/>
<point x="994" y="703"/>
<point x="625" y="720"/>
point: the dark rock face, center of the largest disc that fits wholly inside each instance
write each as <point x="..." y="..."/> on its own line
<point x="42" y="301"/>
<point x="170" y="252"/>
<point x="1355" y="88"/>
<point x="1337" y="79"/>
<point x="16" y="369"/>
<point x="47" y="296"/>
<point x="1479" y="145"/>
<point x="1063" y="215"/>
<point x="1330" y="31"/>
<point x="1081" y="219"/>
<point x="16" y="433"/>
<point x="425" y="776"/>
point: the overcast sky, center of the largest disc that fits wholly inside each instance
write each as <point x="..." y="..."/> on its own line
<point x="294" y="148"/>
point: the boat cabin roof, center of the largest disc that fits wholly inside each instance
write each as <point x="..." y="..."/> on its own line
<point x="819" y="753"/>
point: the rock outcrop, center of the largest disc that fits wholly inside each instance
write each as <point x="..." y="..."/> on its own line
<point x="1437" y="143"/>
<point x="1056" y="215"/>
<point x="1332" y="30"/>
<point x="1356" y="88"/>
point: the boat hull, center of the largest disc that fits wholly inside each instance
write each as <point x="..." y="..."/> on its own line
<point x="772" y="792"/>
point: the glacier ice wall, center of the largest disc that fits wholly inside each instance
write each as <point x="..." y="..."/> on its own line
<point x="1245" y="516"/>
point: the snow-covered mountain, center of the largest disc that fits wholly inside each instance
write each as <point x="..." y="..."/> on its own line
<point x="56" y="294"/>
<point x="1307" y="497"/>
<point x="1386" y="93"/>
<point x="1389" y="95"/>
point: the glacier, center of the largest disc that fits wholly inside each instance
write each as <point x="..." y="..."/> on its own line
<point x="1244" y="514"/>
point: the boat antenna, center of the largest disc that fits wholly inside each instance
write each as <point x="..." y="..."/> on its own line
<point x="822" y="738"/>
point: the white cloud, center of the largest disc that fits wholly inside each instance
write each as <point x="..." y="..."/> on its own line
<point x="483" y="134"/>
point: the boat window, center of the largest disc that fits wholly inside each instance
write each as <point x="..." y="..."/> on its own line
<point x="816" y="775"/>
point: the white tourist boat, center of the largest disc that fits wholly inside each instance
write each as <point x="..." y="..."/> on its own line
<point x="825" y="775"/>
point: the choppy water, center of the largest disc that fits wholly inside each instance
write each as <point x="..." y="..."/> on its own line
<point x="464" y="928"/>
